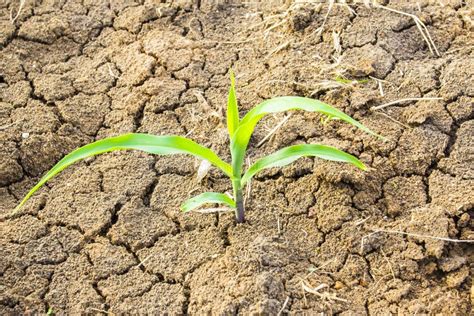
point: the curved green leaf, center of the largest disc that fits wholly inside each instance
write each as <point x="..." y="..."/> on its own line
<point x="207" y="198"/>
<point x="232" y="108"/>
<point x="289" y="154"/>
<point x="160" y="145"/>
<point x="242" y="135"/>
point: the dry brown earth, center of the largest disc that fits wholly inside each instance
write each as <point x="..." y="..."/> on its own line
<point x="107" y="236"/>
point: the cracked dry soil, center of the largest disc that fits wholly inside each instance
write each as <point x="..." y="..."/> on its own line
<point x="106" y="236"/>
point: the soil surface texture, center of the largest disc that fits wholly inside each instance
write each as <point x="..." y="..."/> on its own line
<point x="106" y="236"/>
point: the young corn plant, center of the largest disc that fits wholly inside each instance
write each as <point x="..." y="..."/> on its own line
<point x="240" y="131"/>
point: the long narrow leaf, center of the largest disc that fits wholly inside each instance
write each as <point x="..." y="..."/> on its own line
<point x="289" y="154"/>
<point x="242" y="135"/>
<point x="160" y="145"/>
<point x="207" y="198"/>
<point x="232" y="108"/>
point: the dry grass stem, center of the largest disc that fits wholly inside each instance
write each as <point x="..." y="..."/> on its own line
<point x="457" y="50"/>
<point x="13" y="18"/>
<point x="378" y="107"/>
<point x="288" y="82"/>
<point x="379" y="83"/>
<point x="193" y="190"/>
<point x="315" y="291"/>
<point x="9" y="125"/>
<point x="190" y="132"/>
<point x="111" y="73"/>
<point x="376" y="231"/>
<point x="279" y="48"/>
<point x="274" y="26"/>
<point x="273" y="130"/>
<point x="237" y="42"/>
<point x="326" y="85"/>
<point x="377" y="283"/>
<point x="144" y="260"/>
<point x="392" y="119"/>
<point x="419" y="24"/>
<point x="337" y="43"/>
<point x="321" y="29"/>
<point x="284" y="306"/>
<point x="202" y="100"/>
<point x="362" y="221"/>
<point x="100" y="311"/>
<point x="278" y="224"/>
<point x="388" y="262"/>
<point x="208" y="108"/>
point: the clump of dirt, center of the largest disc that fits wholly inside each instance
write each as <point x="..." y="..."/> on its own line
<point x="107" y="235"/>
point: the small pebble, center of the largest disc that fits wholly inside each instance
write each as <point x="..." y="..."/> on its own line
<point x="25" y="135"/>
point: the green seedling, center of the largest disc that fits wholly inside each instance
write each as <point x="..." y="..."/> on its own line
<point x="240" y="131"/>
<point x="348" y="81"/>
<point x="50" y="312"/>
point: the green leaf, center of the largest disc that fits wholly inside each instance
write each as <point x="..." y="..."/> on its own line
<point x="289" y="154"/>
<point x="207" y="198"/>
<point x="240" y="140"/>
<point x="232" y="108"/>
<point x="349" y="81"/>
<point x="50" y="312"/>
<point x="160" y="145"/>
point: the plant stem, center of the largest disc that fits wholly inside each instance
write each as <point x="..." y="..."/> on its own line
<point x="239" y="201"/>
